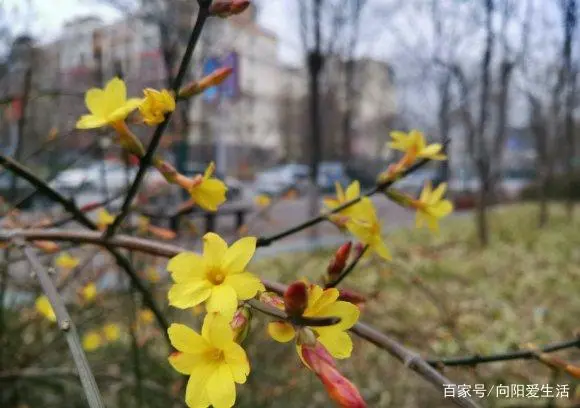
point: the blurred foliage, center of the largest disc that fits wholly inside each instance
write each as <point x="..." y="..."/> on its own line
<point x="443" y="296"/>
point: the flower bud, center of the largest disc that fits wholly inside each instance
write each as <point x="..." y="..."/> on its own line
<point x="306" y="337"/>
<point x="227" y="8"/>
<point x="296" y="298"/>
<point x="213" y="79"/>
<point x="128" y="140"/>
<point x="338" y="262"/>
<point x="358" y="249"/>
<point x="351" y="296"/>
<point x="272" y="299"/>
<point x="399" y="197"/>
<point x="241" y="324"/>
<point x="49" y="247"/>
<point x="338" y="387"/>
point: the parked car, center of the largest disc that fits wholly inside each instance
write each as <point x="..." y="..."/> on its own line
<point x="93" y="178"/>
<point x="279" y="180"/>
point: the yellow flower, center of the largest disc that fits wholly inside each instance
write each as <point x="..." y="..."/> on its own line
<point x="108" y="105"/>
<point x="43" y="307"/>
<point x="219" y="276"/>
<point x="209" y="192"/>
<point x="342" y="197"/>
<point x="145" y="316"/>
<point x="89" y="292"/>
<point x="366" y="227"/>
<point x="92" y="341"/>
<point x="112" y="331"/>
<point x="430" y="206"/>
<point x="360" y="219"/>
<point x="155" y="105"/>
<point x="213" y="360"/>
<point x="414" y="144"/>
<point x="263" y="201"/>
<point x="104" y="218"/>
<point x="323" y="303"/>
<point x="66" y="261"/>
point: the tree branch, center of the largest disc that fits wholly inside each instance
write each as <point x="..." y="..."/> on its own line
<point x="79" y="216"/>
<point x="67" y="327"/>
<point x="147" y="159"/>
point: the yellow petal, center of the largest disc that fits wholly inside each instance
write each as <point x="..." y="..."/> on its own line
<point x="209" y="194"/>
<point x="237" y="360"/>
<point x="438" y="193"/>
<point x="90" y="122"/>
<point x="95" y="101"/>
<point x="245" y="284"/>
<point x="432" y="152"/>
<point x="339" y="192"/>
<point x="281" y="331"/>
<point x="184" y="363"/>
<point x="347" y="312"/>
<point x="121" y="112"/>
<point x="189" y="294"/>
<point x="221" y="388"/>
<point x="218" y="331"/>
<point x="43" y="306"/>
<point x="314" y="293"/>
<point x="330" y="202"/>
<point x="338" y="343"/>
<point x="91" y="341"/>
<point x="239" y="255"/>
<point x="353" y="191"/>
<point x="214" y="249"/>
<point x="433" y="224"/>
<point x="196" y="393"/>
<point x="186" y="340"/>
<point x="426" y="193"/>
<point x="441" y="209"/>
<point x="381" y="249"/>
<point x="328" y="297"/>
<point x="115" y="94"/>
<point x="186" y="266"/>
<point x="223" y="300"/>
<point x="209" y="171"/>
<point x="112" y="332"/>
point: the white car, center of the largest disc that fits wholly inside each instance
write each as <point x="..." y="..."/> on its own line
<point x="94" y="178"/>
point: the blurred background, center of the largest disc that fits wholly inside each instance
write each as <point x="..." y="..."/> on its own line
<point x="317" y="86"/>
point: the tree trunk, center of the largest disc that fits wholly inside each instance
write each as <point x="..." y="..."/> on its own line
<point x="481" y="214"/>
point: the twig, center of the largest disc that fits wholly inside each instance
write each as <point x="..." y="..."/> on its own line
<point x="71" y="207"/>
<point x="67" y="327"/>
<point x="513" y="355"/>
<point x="266" y="241"/>
<point x="348" y="269"/>
<point x="147" y="159"/>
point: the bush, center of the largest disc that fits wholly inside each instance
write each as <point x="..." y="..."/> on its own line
<point x="557" y="190"/>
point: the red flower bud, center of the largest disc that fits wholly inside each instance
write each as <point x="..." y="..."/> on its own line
<point x="90" y="206"/>
<point x="338" y="387"/>
<point x="227" y="8"/>
<point x="359" y="247"/>
<point x="338" y="262"/>
<point x="296" y="298"/>
<point x="241" y="324"/>
<point x="351" y="296"/>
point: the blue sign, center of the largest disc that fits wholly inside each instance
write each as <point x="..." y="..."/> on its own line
<point x="210" y="65"/>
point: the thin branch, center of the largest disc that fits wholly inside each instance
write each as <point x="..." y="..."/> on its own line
<point x="348" y="269"/>
<point x="79" y="216"/>
<point x="156" y="138"/>
<point x="67" y="327"/>
<point x="513" y="355"/>
<point x="266" y="241"/>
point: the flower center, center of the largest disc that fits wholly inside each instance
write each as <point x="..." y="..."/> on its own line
<point x="216" y="355"/>
<point x="216" y="276"/>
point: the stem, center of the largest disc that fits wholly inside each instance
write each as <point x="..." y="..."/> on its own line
<point x="266" y="241"/>
<point x="67" y="327"/>
<point x="147" y="159"/>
